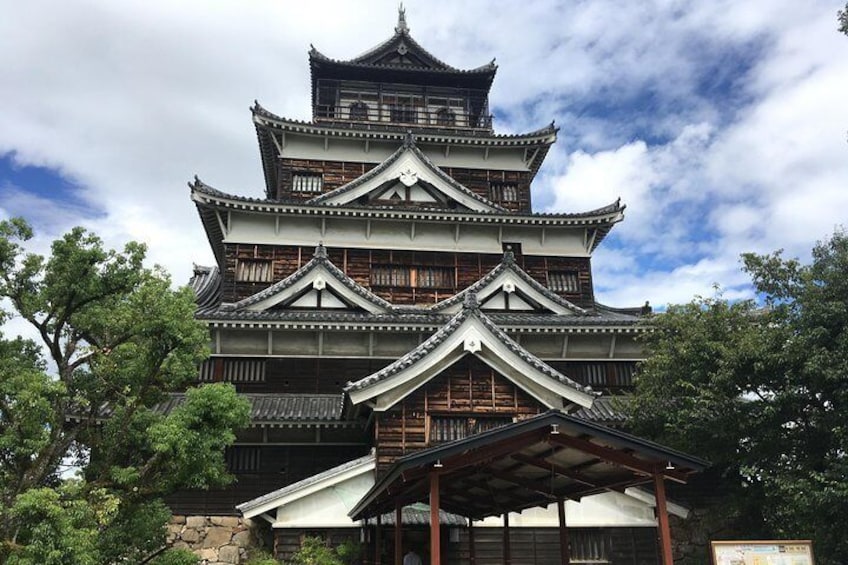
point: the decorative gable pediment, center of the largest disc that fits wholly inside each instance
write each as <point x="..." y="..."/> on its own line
<point x="508" y="288"/>
<point x="318" y="285"/>
<point x="408" y="177"/>
<point x="469" y="333"/>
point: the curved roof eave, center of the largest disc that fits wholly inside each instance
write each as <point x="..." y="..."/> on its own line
<point x="263" y="117"/>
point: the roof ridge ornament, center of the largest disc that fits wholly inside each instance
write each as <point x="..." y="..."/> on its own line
<point x="409" y="140"/>
<point x="470" y="302"/>
<point x="509" y="255"/>
<point x="320" y="251"/>
<point x="401" y="27"/>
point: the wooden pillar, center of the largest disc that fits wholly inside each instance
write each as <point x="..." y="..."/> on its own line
<point x="565" y="554"/>
<point x="398" y="534"/>
<point x="378" y="540"/>
<point x="435" y="532"/>
<point x="472" y="556"/>
<point x="507" y="550"/>
<point x="663" y="528"/>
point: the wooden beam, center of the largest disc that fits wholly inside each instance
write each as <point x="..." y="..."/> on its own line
<point x="524" y="483"/>
<point x="663" y="528"/>
<point x="564" y="550"/>
<point x="398" y="534"/>
<point x="435" y="531"/>
<point x="472" y="556"/>
<point x="507" y="550"/>
<point x="615" y="456"/>
<point x="558" y="469"/>
<point x="378" y="541"/>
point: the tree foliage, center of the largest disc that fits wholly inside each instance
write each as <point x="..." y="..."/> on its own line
<point x="762" y="392"/>
<point x="842" y="16"/>
<point x="115" y="340"/>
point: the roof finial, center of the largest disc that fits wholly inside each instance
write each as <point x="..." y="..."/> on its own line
<point x="409" y="139"/>
<point x="509" y="255"/>
<point x="320" y="250"/>
<point x="401" y="25"/>
<point x="470" y="301"/>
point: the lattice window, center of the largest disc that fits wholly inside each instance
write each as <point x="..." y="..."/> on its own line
<point x="450" y="428"/>
<point x="254" y="270"/>
<point x="403" y="113"/>
<point x="243" y="459"/>
<point x="415" y="277"/>
<point x="590" y="546"/>
<point x="307" y="182"/>
<point x="504" y="191"/>
<point x="234" y="370"/>
<point x="359" y="111"/>
<point x="445" y="117"/>
<point x="563" y="281"/>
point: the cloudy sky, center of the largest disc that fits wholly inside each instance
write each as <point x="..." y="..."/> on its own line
<point x="721" y="124"/>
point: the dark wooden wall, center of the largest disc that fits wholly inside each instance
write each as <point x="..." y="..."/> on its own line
<point x="357" y="264"/>
<point x="469" y="387"/>
<point x="279" y="466"/>
<point x="530" y="546"/>
<point x="338" y="173"/>
<point x="317" y="375"/>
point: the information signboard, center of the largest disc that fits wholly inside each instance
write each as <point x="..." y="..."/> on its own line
<point x="790" y="552"/>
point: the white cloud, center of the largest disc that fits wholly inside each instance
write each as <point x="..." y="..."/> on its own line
<point x="721" y="124"/>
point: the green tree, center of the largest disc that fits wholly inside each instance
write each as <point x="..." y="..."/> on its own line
<point x="762" y="392"/>
<point x="842" y="16"/>
<point x="115" y="340"/>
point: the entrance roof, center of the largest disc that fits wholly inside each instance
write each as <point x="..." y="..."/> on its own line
<point x="530" y="463"/>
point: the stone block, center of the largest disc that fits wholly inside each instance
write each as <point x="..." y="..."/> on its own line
<point x="229" y="554"/>
<point x="217" y="536"/>
<point x="178" y="519"/>
<point x="196" y="521"/>
<point x="228" y="521"/>
<point x="191" y="535"/>
<point x="208" y="554"/>
<point x="242" y="539"/>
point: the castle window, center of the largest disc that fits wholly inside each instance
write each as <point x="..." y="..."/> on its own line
<point x="233" y="370"/>
<point x="243" y="459"/>
<point x="403" y="113"/>
<point x="359" y="111"/>
<point x="504" y="192"/>
<point x="450" y="428"/>
<point x="563" y="281"/>
<point x="445" y="117"/>
<point x="307" y="182"/>
<point x="415" y="277"/>
<point x="254" y="270"/>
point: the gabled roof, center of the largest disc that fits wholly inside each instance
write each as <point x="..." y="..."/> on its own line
<point x="469" y="333"/>
<point x="523" y="293"/>
<point x="401" y="51"/>
<point x="317" y="285"/>
<point x="307" y="486"/>
<point x="409" y="167"/>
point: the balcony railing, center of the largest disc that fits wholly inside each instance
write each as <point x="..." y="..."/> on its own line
<point x="405" y="115"/>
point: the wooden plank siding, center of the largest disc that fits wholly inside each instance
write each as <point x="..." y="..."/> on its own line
<point x="338" y="173"/>
<point x="277" y="466"/>
<point x="358" y="263"/>
<point x="468" y="388"/>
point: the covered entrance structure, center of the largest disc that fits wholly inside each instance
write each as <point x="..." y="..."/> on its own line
<point x="543" y="460"/>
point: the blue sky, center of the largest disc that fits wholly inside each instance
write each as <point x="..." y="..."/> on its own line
<point x="721" y="124"/>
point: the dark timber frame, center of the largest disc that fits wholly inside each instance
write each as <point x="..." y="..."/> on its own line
<point x="536" y="462"/>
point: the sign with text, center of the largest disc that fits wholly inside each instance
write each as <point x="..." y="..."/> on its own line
<point x="792" y="552"/>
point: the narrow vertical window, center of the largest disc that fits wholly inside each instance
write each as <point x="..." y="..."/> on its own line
<point x="307" y="182"/>
<point x="254" y="270"/>
<point x="563" y="281"/>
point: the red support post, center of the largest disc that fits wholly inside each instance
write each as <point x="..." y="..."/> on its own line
<point x="663" y="528"/>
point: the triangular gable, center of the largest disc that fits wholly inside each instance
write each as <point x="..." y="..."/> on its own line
<point x="414" y="179"/>
<point x="508" y="288"/>
<point x="468" y="333"/>
<point x="315" y="501"/>
<point x="318" y="285"/>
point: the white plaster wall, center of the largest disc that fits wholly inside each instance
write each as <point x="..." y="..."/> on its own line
<point x="600" y="510"/>
<point x="327" y="508"/>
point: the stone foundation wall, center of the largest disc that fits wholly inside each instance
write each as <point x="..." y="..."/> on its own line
<point x="217" y="540"/>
